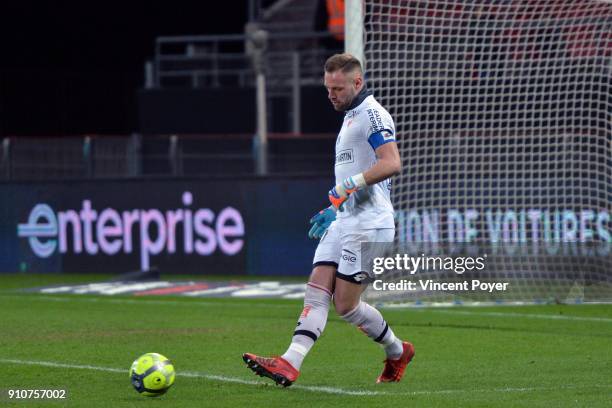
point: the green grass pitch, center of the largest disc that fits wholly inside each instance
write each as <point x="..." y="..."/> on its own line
<point x="532" y="356"/>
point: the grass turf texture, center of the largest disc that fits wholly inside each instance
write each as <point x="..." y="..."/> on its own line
<point x="488" y="356"/>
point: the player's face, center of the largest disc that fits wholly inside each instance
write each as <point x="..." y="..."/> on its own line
<point x="342" y="88"/>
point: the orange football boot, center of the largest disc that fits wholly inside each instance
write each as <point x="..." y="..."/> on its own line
<point x="276" y="368"/>
<point x="394" y="369"/>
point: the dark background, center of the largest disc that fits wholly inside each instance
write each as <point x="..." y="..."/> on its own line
<point x="70" y="68"/>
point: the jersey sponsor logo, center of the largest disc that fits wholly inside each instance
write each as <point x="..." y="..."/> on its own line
<point x="375" y="120"/>
<point x="345" y="157"/>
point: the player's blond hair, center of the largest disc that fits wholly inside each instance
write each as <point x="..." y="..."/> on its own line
<point x="345" y="62"/>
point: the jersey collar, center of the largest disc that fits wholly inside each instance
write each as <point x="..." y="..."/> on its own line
<point x="364" y="93"/>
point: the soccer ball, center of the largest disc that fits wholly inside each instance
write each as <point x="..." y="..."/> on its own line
<point x="152" y="374"/>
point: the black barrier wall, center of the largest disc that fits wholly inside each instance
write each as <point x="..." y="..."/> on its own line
<point x="229" y="110"/>
<point x="198" y="226"/>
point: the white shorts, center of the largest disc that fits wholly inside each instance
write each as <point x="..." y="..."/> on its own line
<point x="341" y="247"/>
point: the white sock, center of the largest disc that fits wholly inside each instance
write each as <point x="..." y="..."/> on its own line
<point x="370" y="321"/>
<point x="392" y="345"/>
<point x="310" y="324"/>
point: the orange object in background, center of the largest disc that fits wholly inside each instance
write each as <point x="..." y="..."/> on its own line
<point x="335" y="21"/>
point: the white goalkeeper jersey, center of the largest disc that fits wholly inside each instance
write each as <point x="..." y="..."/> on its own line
<point x="367" y="125"/>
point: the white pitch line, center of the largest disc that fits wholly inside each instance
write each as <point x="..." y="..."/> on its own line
<point x="191" y="374"/>
<point x="527" y="315"/>
<point x="62" y="365"/>
<point x="328" y="390"/>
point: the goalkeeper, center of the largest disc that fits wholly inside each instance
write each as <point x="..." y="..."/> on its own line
<point x="360" y="211"/>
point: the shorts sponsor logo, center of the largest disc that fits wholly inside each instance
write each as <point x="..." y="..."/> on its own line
<point x="349" y="258"/>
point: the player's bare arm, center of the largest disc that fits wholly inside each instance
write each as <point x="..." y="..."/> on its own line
<point x="388" y="164"/>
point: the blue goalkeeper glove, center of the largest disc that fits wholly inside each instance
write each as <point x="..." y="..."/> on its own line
<point x="320" y="222"/>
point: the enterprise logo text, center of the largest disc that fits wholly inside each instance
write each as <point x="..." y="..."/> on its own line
<point x="110" y="231"/>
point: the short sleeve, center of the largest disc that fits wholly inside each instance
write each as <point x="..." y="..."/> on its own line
<point x="381" y="128"/>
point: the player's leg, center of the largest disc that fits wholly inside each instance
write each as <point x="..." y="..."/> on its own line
<point x="319" y="289"/>
<point x="351" y="281"/>
<point x="284" y="370"/>
<point x="348" y="303"/>
<point x="313" y="318"/>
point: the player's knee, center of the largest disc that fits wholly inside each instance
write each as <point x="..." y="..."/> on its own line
<point x="344" y="306"/>
<point x="316" y="296"/>
<point x="323" y="275"/>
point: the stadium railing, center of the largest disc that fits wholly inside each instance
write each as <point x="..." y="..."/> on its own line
<point x="292" y="60"/>
<point x="93" y="156"/>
